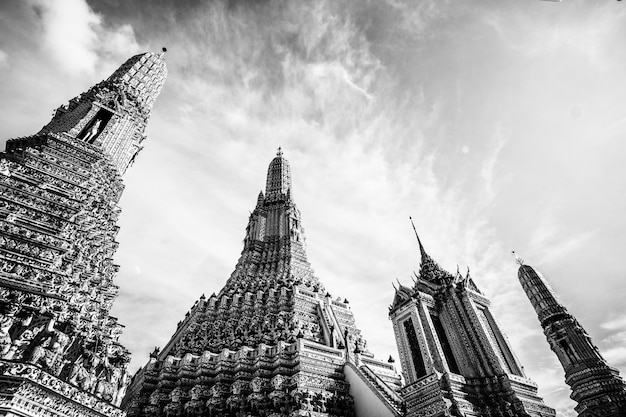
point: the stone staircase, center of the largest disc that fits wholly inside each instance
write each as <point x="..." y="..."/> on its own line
<point x="392" y="397"/>
<point x="380" y="399"/>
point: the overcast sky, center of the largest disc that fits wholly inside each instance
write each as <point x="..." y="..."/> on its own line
<point x="496" y="124"/>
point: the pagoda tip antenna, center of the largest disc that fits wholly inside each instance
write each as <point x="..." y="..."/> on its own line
<point x="413" y="224"/>
<point x="415" y="230"/>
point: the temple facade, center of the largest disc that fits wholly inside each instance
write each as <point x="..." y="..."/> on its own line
<point x="272" y="341"/>
<point x="59" y="189"/>
<point x="454" y="357"/>
<point x="596" y="387"/>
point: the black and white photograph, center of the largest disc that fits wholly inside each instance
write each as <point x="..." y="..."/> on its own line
<point x="312" y="208"/>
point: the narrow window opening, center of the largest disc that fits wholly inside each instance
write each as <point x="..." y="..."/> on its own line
<point x="416" y="355"/>
<point x="445" y="345"/>
<point x="568" y="350"/>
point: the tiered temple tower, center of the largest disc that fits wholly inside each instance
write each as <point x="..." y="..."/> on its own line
<point x="59" y="189"/>
<point x="596" y="386"/>
<point x="454" y="357"/>
<point x="272" y="342"/>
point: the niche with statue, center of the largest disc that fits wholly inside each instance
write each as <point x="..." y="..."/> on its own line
<point x="95" y="126"/>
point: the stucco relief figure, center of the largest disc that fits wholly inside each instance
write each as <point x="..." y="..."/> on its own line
<point x="4" y="168"/>
<point x="93" y="131"/>
<point x="121" y="99"/>
<point x="82" y="373"/>
<point x="48" y="350"/>
<point x="22" y="340"/>
<point x="247" y="238"/>
<point x="107" y="388"/>
<point x="21" y="337"/>
<point x="122" y="385"/>
<point x="294" y="229"/>
<point x="295" y="233"/>
<point x="6" y="322"/>
<point x="361" y="344"/>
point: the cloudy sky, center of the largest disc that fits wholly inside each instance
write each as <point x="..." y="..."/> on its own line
<point x="496" y="124"/>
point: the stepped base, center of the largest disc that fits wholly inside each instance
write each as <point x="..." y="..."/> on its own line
<point x="450" y="394"/>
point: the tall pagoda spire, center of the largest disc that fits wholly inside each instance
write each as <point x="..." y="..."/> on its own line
<point x="429" y="268"/>
<point x="272" y="341"/>
<point x="59" y="189"/>
<point x="454" y="357"/>
<point x="113" y="114"/>
<point x="596" y="387"/>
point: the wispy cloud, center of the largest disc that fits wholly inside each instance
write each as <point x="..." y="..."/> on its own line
<point x="69" y="33"/>
<point x="549" y="241"/>
<point x="616" y="355"/>
<point x="618" y="323"/>
<point x="324" y="103"/>
<point x="373" y="104"/>
<point x="489" y="165"/>
<point x="614" y="342"/>
<point x="75" y="36"/>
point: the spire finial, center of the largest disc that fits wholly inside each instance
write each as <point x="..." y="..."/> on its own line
<point x="419" y="242"/>
<point x="278" y="177"/>
<point x="519" y="260"/>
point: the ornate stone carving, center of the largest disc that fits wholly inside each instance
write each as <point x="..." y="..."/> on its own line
<point x="58" y="208"/>
<point x="597" y="387"/>
<point x="269" y="342"/>
<point x="468" y="366"/>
